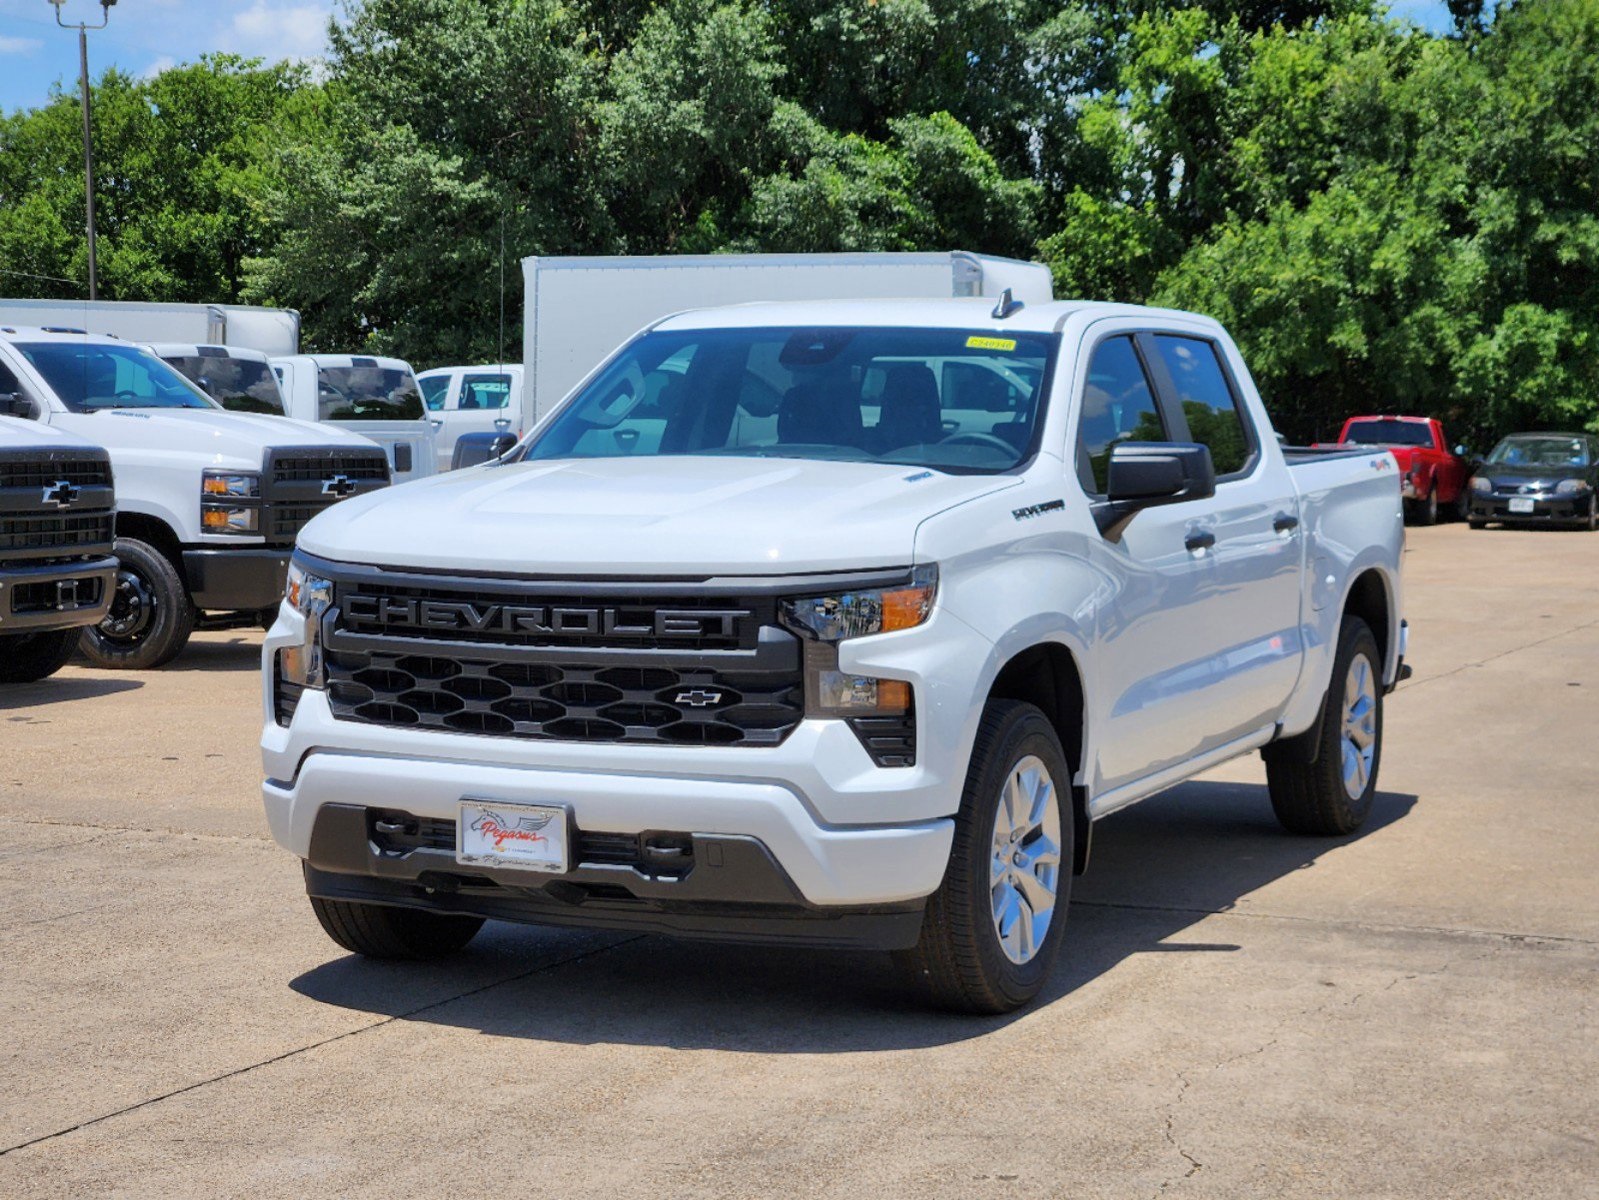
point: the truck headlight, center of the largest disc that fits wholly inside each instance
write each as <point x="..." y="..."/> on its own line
<point x="1481" y="485"/>
<point x="311" y="596"/>
<point x="1572" y="487"/>
<point x="825" y="621"/>
<point x="230" y="502"/>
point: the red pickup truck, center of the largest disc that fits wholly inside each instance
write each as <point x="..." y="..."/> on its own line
<point x="1432" y="476"/>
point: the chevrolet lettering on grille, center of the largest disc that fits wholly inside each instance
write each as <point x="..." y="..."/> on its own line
<point x="396" y="612"/>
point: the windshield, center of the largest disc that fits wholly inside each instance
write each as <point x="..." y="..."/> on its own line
<point x="238" y="384"/>
<point x="955" y="400"/>
<point x="1541" y="452"/>
<point x="1389" y="433"/>
<point x="367" y="394"/>
<point x="89" y="377"/>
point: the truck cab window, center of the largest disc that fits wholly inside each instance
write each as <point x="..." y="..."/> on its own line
<point x="434" y="388"/>
<point x="480" y="392"/>
<point x="1207" y="400"/>
<point x="1118" y="406"/>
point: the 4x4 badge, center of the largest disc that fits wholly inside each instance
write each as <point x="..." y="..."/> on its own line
<point x="699" y="698"/>
<point x="339" y="486"/>
<point x="62" y="494"/>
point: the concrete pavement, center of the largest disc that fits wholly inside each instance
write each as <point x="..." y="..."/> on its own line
<point x="1410" y="1012"/>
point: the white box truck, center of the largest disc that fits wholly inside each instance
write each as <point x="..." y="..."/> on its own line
<point x="581" y="309"/>
<point x="270" y="330"/>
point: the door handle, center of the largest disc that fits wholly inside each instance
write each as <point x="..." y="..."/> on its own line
<point x="1285" y="522"/>
<point x="1200" y="539"/>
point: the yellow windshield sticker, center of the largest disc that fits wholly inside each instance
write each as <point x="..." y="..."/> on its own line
<point x="988" y="343"/>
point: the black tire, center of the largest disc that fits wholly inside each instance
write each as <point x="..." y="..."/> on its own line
<point x="1591" y="521"/>
<point x="1425" y="512"/>
<point x="1463" y="504"/>
<point x="380" y="931"/>
<point x="1476" y="523"/>
<point x="959" y="962"/>
<point x="1311" y="797"/>
<point x="27" y="657"/>
<point x="151" y="614"/>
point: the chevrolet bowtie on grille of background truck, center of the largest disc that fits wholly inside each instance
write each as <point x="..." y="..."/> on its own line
<point x="832" y="623"/>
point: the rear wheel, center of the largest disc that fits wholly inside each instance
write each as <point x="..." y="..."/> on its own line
<point x="379" y="931"/>
<point x="151" y="616"/>
<point x="26" y="657"/>
<point x="1333" y="794"/>
<point x="994" y="927"/>
<point x="1425" y="512"/>
<point x="1462" y="505"/>
<point x="1591" y="521"/>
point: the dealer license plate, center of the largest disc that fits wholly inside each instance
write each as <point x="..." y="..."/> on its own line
<point x="1521" y="506"/>
<point x="523" y="837"/>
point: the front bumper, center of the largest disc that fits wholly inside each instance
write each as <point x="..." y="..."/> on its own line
<point x="231" y="579"/>
<point x="1545" y="509"/>
<point x="61" y="595"/>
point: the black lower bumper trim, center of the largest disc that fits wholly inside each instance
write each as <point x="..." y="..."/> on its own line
<point x="62" y="595"/>
<point x="734" y="890"/>
<point x="229" y="579"/>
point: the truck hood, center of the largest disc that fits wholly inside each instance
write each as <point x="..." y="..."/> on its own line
<point x="17" y="433"/>
<point x="679" y="516"/>
<point x="226" y="439"/>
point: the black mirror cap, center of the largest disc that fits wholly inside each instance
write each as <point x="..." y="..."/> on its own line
<point x="471" y="449"/>
<point x="1146" y="474"/>
<point x="15" y="404"/>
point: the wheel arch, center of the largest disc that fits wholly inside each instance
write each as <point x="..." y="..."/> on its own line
<point x="155" y="532"/>
<point x="1047" y="675"/>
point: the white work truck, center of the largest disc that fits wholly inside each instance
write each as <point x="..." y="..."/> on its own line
<point x="834" y="623"/>
<point x="208" y="501"/>
<point x="372" y="396"/>
<point x="57" y="509"/>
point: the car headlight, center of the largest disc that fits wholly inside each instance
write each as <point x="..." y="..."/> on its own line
<point x="1572" y="487"/>
<point x="1481" y="485"/>
<point x="230" y="502"/>
<point x="825" y="621"/>
<point x="311" y="596"/>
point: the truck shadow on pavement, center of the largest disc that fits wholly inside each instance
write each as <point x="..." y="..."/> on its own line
<point x="1157" y="869"/>
<point x="61" y="689"/>
<point x="239" y="653"/>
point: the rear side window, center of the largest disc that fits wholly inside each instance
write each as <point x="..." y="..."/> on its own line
<point x="479" y="392"/>
<point x="1118" y="406"/>
<point x="1207" y="400"/>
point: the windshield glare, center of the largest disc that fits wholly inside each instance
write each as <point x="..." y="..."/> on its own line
<point x="367" y="394"/>
<point x="1389" y="433"/>
<point x="89" y="377"/>
<point x="238" y="384"/>
<point x="1540" y="452"/>
<point x="954" y="400"/>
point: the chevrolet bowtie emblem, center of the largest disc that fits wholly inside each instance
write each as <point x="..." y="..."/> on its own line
<point x="698" y="698"/>
<point x="62" y="494"/>
<point x="339" y="486"/>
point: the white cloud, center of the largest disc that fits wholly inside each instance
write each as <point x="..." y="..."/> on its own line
<point x="164" y="63"/>
<point x="19" y="45"/>
<point x="276" y="32"/>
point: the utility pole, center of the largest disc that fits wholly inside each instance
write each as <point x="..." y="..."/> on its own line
<point x="88" y="134"/>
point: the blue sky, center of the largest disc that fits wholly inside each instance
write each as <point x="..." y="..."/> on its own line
<point x="147" y="35"/>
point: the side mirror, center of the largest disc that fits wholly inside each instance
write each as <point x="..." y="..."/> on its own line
<point x="1143" y="475"/>
<point x="471" y="449"/>
<point x="15" y="404"/>
<point x="1462" y="452"/>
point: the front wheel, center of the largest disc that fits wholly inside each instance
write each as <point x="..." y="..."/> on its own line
<point x="151" y="616"/>
<point x="1333" y="794"/>
<point x="994" y="927"/>
<point x="27" y="657"/>
<point x="379" y="931"/>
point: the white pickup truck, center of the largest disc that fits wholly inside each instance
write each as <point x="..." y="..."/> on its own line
<point x="374" y="397"/>
<point x="57" y="508"/>
<point x="837" y="623"/>
<point x="208" y="501"/>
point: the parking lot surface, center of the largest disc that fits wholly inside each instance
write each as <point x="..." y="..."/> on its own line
<point x="1413" y="1011"/>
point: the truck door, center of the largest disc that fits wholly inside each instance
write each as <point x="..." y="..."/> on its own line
<point x="1160" y="621"/>
<point x="1253" y="628"/>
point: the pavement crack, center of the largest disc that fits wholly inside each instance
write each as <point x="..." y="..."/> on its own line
<point x="1170" y="1132"/>
<point x="1412" y="684"/>
<point x="317" y="1045"/>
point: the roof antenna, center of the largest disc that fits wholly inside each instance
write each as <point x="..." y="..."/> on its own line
<point x="1007" y="305"/>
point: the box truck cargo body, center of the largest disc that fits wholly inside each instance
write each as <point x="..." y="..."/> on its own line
<point x="270" y="330"/>
<point x="578" y="310"/>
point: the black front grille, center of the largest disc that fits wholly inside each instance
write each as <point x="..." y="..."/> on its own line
<point x="300" y="483"/>
<point x="65" y="535"/>
<point x="565" y="701"/>
<point x="45" y="469"/>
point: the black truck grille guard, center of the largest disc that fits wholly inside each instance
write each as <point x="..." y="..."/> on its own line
<point x="56" y="503"/>
<point x="300" y="482"/>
